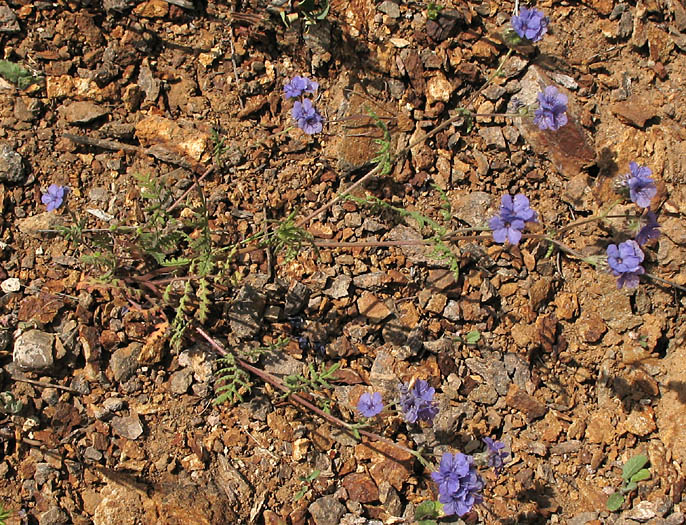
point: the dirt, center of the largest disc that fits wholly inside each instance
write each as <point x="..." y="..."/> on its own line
<point x="575" y="376"/>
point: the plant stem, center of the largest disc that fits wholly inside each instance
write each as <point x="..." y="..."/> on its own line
<point x="275" y="382"/>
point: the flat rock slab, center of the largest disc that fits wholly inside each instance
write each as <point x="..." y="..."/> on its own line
<point x="82" y="112"/>
<point x="568" y="147"/>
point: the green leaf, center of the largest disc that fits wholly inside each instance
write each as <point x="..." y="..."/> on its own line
<point x="16" y="74"/>
<point x="629" y="487"/>
<point x="633" y="465"/>
<point x="427" y="522"/>
<point x="427" y="509"/>
<point x="641" y="475"/>
<point x="615" y="501"/>
<point x="472" y="337"/>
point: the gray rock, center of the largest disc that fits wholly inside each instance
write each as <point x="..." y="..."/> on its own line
<point x="33" y="350"/>
<point x="492" y="370"/>
<point x="390" y="8"/>
<point x="493" y="136"/>
<point x="473" y="207"/>
<point x="124" y="362"/>
<point x="127" y="427"/>
<point x="642" y="511"/>
<point x="280" y="364"/>
<point x="483" y="394"/>
<point x="245" y="314"/>
<point x="43" y="472"/>
<point x="148" y="83"/>
<point x="82" y="112"/>
<point x="114" y="404"/>
<point x="676" y="518"/>
<point x="8" y="20"/>
<point x="258" y="407"/>
<point x="583" y="518"/>
<point x="53" y="516"/>
<point x="339" y="287"/>
<point x="92" y="454"/>
<point x="296" y="299"/>
<point x="566" y="447"/>
<point x="452" y="311"/>
<point x="371" y="281"/>
<point x="180" y="381"/>
<point x="12" y="167"/>
<point x="326" y="511"/>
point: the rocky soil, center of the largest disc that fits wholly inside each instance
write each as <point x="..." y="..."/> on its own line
<point x="104" y="422"/>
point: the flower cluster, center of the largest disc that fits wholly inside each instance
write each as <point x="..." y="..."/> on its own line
<point x="552" y="109"/>
<point x="639" y="184"/>
<point x="417" y="402"/>
<point x="370" y="405"/>
<point x="510" y="222"/>
<point x="649" y="230"/>
<point x="625" y="263"/>
<point x="530" y="24"/>
<point x="496" y="455"/>
<point x="54" y="197"/>
<point x="304" y="112"/>
<point x="458" y="483"/>
<point x="298" y="86"/>
<point x="625" y="259"/>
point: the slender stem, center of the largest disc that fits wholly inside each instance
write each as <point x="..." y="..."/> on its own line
<point x="599" y="217"/>
<point x="664" y="281"/>
<point x="44" y="385"/>
<point x="275" y="382"/>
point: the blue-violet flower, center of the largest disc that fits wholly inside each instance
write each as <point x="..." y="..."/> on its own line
<point x="650" y="230"/>
<point x="514" y="213"/>
<point x="640" y="184"/>
<point x="298" y="86"/>
<point x="458" y="483"/>
<point x="54" y="197"/>
<point x="530" y="24"/>
<point x="370" y="405"/>
<point x="552" y="109"/>
<point x="496" y="454"/>
<point x="417" y="402"/>
<point x="309" y="120"/>
<point x="625" y="263"/>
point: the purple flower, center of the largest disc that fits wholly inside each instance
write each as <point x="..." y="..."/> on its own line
<point x="458" y="483"/>
<point x="54" y="197"/>
<point x="309" y="120"/>
<point x="417" y="402"/>
<point x="513" y="216"/>
<point x="530" y="24"/>
<point x="640" y="184"/>
<point x="298" y="86"/>
<point x="552" y="106"/>
<point x="650" y="230"/>
<point x="496" y="456"/>
<point x="625" y="263"/>
<point x="370" y="405"/>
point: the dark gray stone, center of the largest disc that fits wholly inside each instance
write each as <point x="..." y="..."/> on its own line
<point x="180" y="381"/>
<point x="326" y="511"/>
<point x="245" y="315"/>
<point x="12" y="167"/>
<point x="124" y="362"/>
<point x="492" y="370"/>
<point x="53" y="516"/>
<point x="339" y="287"/>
